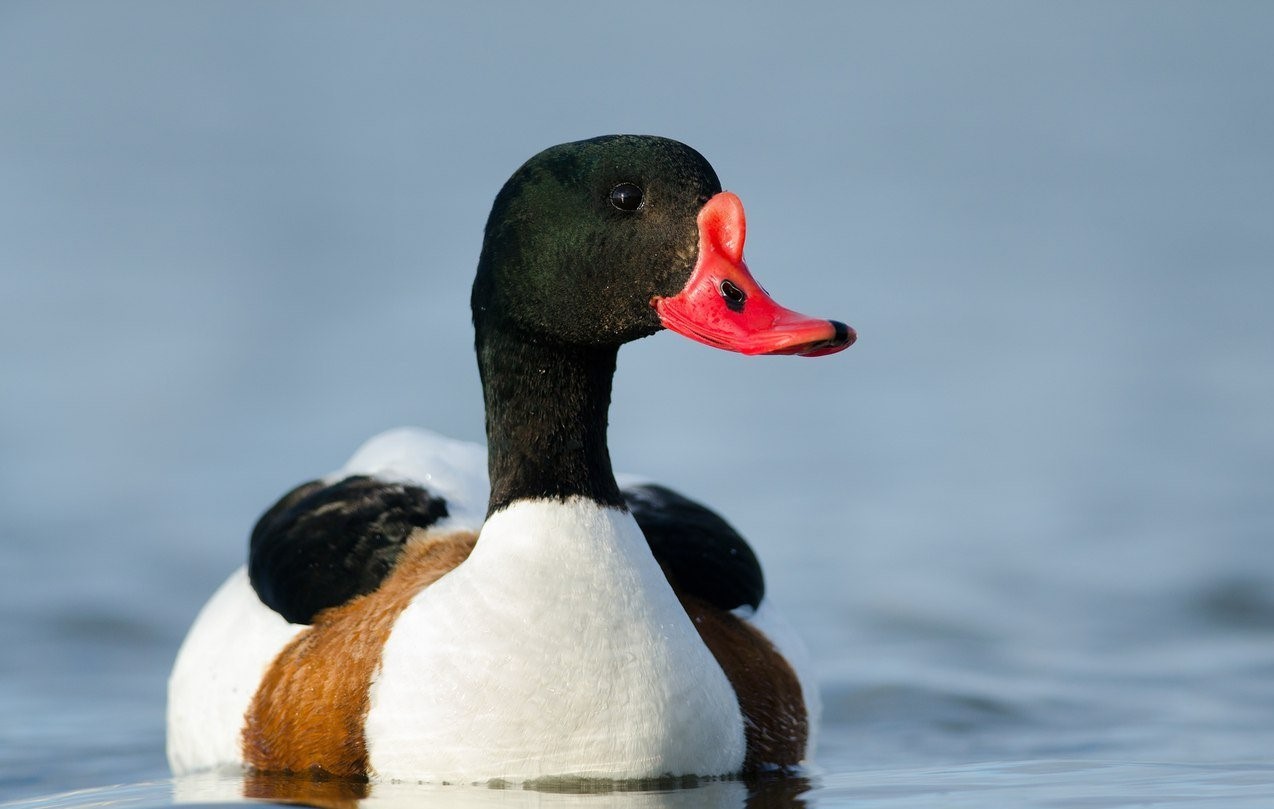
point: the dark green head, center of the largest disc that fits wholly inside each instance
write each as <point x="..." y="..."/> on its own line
<point x="584" y="235"/>
<point x="590" y="245"/>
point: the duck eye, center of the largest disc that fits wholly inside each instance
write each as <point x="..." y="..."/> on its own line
<point x="626" y="197"/>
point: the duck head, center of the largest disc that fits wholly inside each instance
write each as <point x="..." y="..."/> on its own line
<point x="603" y="241"/>
<point x="591" y="245"/>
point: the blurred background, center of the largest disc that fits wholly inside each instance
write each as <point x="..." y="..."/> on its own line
<point x="1027" y="518"/>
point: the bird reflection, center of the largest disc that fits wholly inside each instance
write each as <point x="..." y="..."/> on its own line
<point x="768" y="791"/>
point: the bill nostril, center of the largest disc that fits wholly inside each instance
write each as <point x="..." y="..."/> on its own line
<point x="734" y="297"/>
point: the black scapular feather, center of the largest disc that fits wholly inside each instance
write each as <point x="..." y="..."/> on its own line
<point x="322" y="545"/>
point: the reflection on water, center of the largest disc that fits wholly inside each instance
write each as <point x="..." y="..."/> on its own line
<point x="757" y="792"/>
<point x="330" y="793"/>
<point x="1057" y="782"/>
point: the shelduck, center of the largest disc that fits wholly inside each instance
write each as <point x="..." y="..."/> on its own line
<point x="436" y="611"/>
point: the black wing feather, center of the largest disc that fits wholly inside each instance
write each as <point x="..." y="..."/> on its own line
<point x="322" y="545"/>
<point x="701" y="554"/>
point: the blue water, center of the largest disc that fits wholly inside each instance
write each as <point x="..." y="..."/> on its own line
<point x="1025" y="524"/>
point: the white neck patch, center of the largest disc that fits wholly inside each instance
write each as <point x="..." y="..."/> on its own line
<point x="557" y="648"/>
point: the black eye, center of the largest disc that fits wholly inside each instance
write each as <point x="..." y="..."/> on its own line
<point x="626" y="197"/>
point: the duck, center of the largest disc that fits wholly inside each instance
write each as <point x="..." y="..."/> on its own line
<point x="440" y="611"/>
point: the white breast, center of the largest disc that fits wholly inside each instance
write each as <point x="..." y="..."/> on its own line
<point x="557" y="648"/>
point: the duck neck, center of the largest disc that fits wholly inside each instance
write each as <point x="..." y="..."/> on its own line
<point x="546" y="409"/>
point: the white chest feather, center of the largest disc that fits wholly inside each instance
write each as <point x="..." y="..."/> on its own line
<point x="557" y="648"/>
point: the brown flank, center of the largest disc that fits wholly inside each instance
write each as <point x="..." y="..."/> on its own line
<point x="308" y="713"/>
<point x="775" y="724"/>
